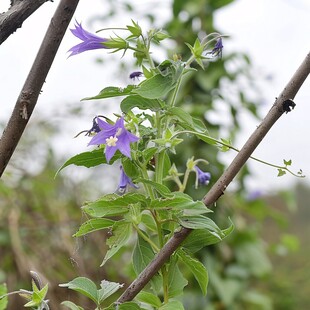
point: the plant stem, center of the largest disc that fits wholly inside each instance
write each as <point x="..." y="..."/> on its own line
<point x="146" y="238"/>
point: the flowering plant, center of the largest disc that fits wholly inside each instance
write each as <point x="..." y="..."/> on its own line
<point x="150" y="203"/>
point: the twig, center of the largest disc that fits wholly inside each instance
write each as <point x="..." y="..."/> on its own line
<point x="16" y="15"/>
<point x="219" y="187"/>
<point x="36" y="77"/>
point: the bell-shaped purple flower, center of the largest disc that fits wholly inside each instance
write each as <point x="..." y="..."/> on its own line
<point x="217" y="50"/>
<point x="124" y="182"/>
<point x="90" y="41"/>
<point x="115" y="137"/>
<point x="203" y="178"/>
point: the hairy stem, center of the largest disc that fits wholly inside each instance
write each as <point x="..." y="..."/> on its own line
<point x="219" y="187"/>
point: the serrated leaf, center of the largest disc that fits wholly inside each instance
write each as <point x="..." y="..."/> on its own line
<point x="121" y="233"/>
<point x="93" y="225"/>
<point x="201" y="238"/>
<point x="149" y="298"/>
<point x="198" y="270"/>
<point x="71" y="305"/>
<point x="112" y="91"/>
<point x="136" y="101"/>
<point x="112" y="204"/>
<point x="172" y="305"/>
<point x="155" y="87"/>
<point x="84" y="286"/>
<point x="107" y="289"/>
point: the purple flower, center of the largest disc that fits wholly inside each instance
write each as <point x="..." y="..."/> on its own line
<point x="135" y="75"/>
<point x="217" y="50"/>
<point x="254" y="195"/>
<point x="90" y="41"/>
<point x="124" y="181"/>
<point x="203" y="178"/>
<point x="94" y="129"/>
<point x="115" y="137"/>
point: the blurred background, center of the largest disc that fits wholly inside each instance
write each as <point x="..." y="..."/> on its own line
<point x="264" y="264"/>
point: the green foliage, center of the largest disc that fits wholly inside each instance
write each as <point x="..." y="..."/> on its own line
<point x="169" y="111"/>
<point x="88" y="288"/>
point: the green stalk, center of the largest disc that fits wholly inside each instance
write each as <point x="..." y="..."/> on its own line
<point x="146" y="238"/>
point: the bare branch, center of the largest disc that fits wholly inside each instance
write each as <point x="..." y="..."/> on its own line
<point x="219" y="187"/>
<point x="36" y="77"/>
<point x="16" y="15"/>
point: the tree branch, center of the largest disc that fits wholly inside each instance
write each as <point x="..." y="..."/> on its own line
<point x="219" y="187"/>
<point x="36" y="77"/>
<point x="16" y="15"/>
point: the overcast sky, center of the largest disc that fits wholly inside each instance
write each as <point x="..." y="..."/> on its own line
<point x="274" y="33"/>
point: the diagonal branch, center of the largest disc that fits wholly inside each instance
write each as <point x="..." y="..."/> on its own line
<point x="16" y="15"/>
<point x="29" y="94"/>
<point x="219" y="187"/>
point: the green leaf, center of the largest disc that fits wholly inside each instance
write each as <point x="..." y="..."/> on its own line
<point x="111" y="91"/>
<point x="155" y="87"/>
<point x="130" y="168"/>
<point x="206" y="138"/>
<point x="121" y="233"/>
<point x="281" y="172"/>
<point x="71" y="305"/>
<point x="176" y="280"/>
<point x="112" y="204"/>
<point x="198" y="270"/>
<point x="84" y="286"/>
<point x="180" y="201"/>
<point x="200" y="222"/>
<point x="4" y="299"/>
<point x="287" y="162"/>
<point x="148" y="220"/>
<point x="142" y="255"/>
<point x="136" y="101"/>
<point x="129" y="306"/>
<point x="172" y="305"/>
<point x="182" y="115"/>
<point x="160" y="188"/>
<point x="93" y="225"/>
<point x="107" y="289"/>
<point x="201" y="238"/>
<point x="148" y="153"/>
<point x="149" y="298"/>
<point x="86" y="159"/>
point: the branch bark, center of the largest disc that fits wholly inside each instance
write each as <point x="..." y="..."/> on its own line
<point x="29" y="94"/>
<point x="16" y="15"/>
<point x="219" y="187"/>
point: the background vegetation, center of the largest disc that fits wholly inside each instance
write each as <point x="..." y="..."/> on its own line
<point x="264" y="264"/>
